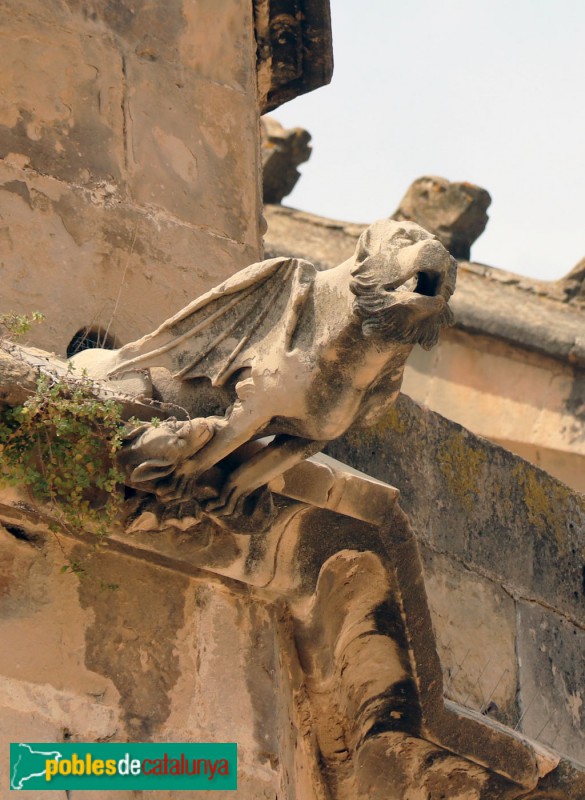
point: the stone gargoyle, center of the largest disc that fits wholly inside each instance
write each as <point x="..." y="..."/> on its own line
<point x="290" y="352"/>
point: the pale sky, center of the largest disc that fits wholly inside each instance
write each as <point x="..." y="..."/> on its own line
<point x="486" y="91"/>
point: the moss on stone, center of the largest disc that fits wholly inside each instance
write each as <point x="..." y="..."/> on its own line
<point x="544" y="498"/>
<point x="462" y="466"/>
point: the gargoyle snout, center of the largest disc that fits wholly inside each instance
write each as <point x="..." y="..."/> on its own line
<point x="433" y="266"/>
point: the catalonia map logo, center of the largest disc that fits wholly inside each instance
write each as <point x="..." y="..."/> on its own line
<point x="132" y="765"/>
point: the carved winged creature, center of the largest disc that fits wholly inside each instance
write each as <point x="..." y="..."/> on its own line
<point x="302" y="354"/>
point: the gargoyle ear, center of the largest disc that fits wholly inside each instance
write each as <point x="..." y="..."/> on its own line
<point x="151" y="470"/>
<point x="374" y="239"/>
<point x="363" y="249"/>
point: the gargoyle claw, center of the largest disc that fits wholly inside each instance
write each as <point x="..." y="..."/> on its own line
<point x="226" y="504"/>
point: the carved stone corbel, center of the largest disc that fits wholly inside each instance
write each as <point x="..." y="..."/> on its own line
<point x="294" y="49"/>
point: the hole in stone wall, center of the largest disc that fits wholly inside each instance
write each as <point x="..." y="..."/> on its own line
<point x="88" y="339"/>
<point x="20" y="533"/>
<point x="583" y="579"/>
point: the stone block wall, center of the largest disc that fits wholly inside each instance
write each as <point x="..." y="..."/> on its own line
<point x="502" y="546"/>
<point x="527" y="402"/>
<point x="164" y="656"/>
<point x="311" y="644"/>
<point x="129" y="159"/>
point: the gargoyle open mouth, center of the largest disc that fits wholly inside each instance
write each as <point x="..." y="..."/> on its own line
<point x="411" y="312"/>
<point x="428" y="283"/>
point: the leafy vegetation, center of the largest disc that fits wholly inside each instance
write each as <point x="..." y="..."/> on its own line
<point x="16" y="325"/>
<point x="61" y="444"/>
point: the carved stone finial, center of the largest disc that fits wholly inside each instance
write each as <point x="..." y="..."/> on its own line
<point x="455" y="212"/>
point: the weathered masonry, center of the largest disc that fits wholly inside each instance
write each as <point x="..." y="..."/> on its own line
<point x="402" y="617"/>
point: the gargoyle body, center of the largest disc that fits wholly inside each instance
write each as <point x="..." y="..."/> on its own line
<point x="301" y="354"/>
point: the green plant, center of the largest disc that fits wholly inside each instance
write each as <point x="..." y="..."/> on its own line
<point x="61" y="444"/>
<point x="15" y="325"/>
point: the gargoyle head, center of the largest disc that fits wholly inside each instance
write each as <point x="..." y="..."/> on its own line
<point x="152" y="452"/>
<point x="402" y="279"/>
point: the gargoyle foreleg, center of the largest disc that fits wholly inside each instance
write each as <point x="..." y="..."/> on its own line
<point x="280" y="455"/>
<point x="242" y="424"/>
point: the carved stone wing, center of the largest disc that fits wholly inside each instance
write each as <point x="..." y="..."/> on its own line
<point x="213" y="335"/>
